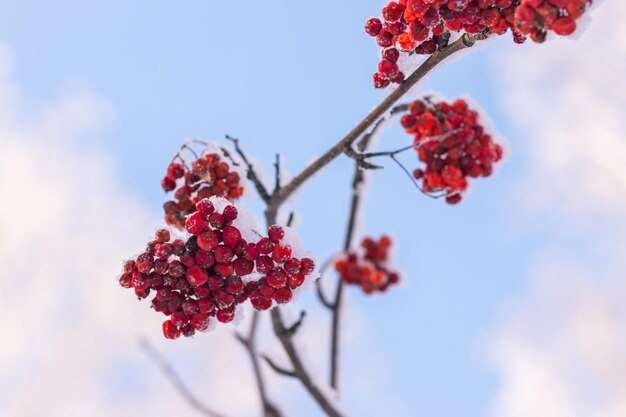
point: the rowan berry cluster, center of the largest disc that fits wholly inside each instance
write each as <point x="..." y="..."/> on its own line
<point x="453" y="145"/>
<point x="368" y="269"/>
<point x="209" y="175"/>
<point x="210" y="273"/>
<point x="536" y="17"/>
<point x="415" y="27"/>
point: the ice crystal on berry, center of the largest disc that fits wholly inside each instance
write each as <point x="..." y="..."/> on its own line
<point x="368" y="268"/>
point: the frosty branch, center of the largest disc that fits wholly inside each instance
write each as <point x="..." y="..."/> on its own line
<point x="223" y="261"/>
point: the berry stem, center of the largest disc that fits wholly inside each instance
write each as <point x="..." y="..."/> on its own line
<point x="173" y="377"/>
<point x="466" y="41"/>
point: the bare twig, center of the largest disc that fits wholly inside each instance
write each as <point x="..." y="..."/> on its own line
<point x="249" y="343"/>
<point x="292" y="217"/>
<point x="278" y="369"/>
<point x="357" y="181"/>
<point x="299" y="370"/>
<point x="318" y="283"/>
<point x="291" y="330"/>
<point x="173" y="377"/>
<point x="277" y="173"/>
<point x="252" y="175"/>
<point x="230" y="157"/>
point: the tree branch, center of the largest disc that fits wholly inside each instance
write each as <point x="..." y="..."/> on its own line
<point x="466" y="41"/>
<point x="175" y="380"/>
<point x="298" y="367"/>
<point x="249" y="342"/>
<point x="357" y="181"/>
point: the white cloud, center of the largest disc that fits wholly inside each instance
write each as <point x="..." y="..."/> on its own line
<point x="559" y="349"/>
<point x="69" y="332"/>
<point x="569" y="97"/>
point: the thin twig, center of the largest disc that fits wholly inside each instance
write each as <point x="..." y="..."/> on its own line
<point x="292" y="217"/>
<point x="291" y="330"/>
<point x="299" y="370"/>
<point x="357" y="181"/>
<point x="175" y="380"/>
<point x="249" y="343"/>
<point x="277" y="173"/>
<point x="252" y="175"/>
<point x="318" y="283"/>
<point x="278" y="369"/>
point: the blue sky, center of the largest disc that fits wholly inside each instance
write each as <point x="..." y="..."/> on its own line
<point x="294" y="77"/>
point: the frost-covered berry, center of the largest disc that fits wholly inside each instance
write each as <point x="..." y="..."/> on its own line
<point x="202" y="277"/>
<point x="452" y="144"/>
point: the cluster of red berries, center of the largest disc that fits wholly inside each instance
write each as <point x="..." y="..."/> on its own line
<point x="415" y="26"/>
<point x="208" y="176"/>
<point x="536" y="17"/>
<point x="203" y="277"/>
<point x="452" y="143"/>
<point x="369" y="269"/>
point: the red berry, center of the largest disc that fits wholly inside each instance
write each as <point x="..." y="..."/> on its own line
<point x="281" y="253"/>
<point x="231" y="236"/>
<point x="205" y="207"/>
<point x="276" y="278"/>
<point x="282" y="295"/>
<point x="226" y="315"/>
<point x="373" y="26"/>
<point x="196" y="223"/>
<point x="207" y="240"/>
<point x="308" y="266"/>
<point x="170" y="331"/>
<point x="261" y="303"/>
<point x="168" y="184"/>
<point x="197" y="276"/>
<point x="276" y="233"/>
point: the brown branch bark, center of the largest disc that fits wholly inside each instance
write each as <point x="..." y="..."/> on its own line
<point x="466" y="41"/>
<point x="249" y="342"/>
<point x="357" y="182"/>
<point x="281" y="194"/>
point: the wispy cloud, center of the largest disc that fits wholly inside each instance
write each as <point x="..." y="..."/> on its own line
<point x="69" y="333"/>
